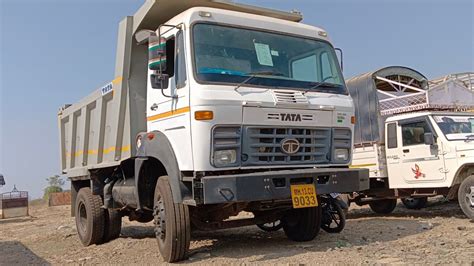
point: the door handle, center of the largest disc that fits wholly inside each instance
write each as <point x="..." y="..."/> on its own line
<point x="154" y="107"/>
<point x="406" y="151"/>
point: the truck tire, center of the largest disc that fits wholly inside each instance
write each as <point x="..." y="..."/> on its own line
<point x="113" y="225"/>
<point x="90" y="217"/>
<point x="466" y="197"/>
<point x="302" y="224"/>
<point x="384" y="206"/>
<point x="172" y="223"/>
<point x="415" y="203"/>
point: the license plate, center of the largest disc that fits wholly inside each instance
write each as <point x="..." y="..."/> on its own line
<point x="303" y="196"/>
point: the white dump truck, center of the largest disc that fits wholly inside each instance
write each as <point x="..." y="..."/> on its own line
<point x="415" y="137"/>
<point x="216" y="108"/>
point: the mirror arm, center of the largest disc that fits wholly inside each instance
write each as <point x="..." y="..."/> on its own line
<point x="173" y="96"/>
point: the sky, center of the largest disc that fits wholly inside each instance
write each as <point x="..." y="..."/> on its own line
<point x="54" y="52"/>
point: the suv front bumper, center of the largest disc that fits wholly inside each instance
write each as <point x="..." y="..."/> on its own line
<point x="275" y="185"/>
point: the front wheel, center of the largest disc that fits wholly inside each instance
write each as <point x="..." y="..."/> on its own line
<point x="302" y="224"/>
<point x="415" y="203"/>
<point x="384" y="206"/>
<point x="466" y="197"/>
<point x="172" y="223"/>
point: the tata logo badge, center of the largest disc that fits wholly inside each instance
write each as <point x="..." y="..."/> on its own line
<point x="290" y="146"/>
<point x="290" y="117"/>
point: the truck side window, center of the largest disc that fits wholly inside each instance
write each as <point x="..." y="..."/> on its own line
<point x="180" y="71"/>
<point x="326" y="71"/>
<point x="392" y="136"/>
<point x="305" y="68"/>
<point x="413" y="133"/>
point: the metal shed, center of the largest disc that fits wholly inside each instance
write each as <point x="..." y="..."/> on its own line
<point x="14" y="204"/>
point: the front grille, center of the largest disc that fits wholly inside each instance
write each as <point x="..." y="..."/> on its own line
<point x="289" y="97"/>
<point x="262" y="146"/>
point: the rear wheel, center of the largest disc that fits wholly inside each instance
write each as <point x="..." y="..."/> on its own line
<point x="384" y="206"/>
<point x="113" y="225"/>
<point x="90" y="217"/>
<point x="302" y="224"/>
<point x="415" y="203"/>
<point x="172" y="223"/>
<point x="466" y="197"/>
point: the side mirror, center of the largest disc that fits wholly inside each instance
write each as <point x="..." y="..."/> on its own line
<point x="157" y="53"/>
<point x="159" y="81"/>
<point x="429" y="139"/>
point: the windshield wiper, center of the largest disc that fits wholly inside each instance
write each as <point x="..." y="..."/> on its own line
<point x="253" y="75"/>
<point x="324" y="84"/>
<point x="469" y="138"/>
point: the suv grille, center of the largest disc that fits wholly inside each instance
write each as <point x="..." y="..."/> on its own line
<point x="262" y="146"/>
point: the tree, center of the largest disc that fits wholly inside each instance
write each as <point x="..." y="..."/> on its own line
<point x="55" y="184"/>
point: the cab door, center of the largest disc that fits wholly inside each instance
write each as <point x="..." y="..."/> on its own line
<point x="412" y="163"/>
<point x="168" y="109"/>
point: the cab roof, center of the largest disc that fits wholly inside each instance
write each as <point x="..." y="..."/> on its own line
<point x="156" y="12"/>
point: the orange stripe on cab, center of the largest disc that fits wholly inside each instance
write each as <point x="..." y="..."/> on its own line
<point x="168" y="114"/>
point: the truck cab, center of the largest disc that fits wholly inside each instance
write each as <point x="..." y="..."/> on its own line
<point x="429" y="149"/>
<point x="237" y="90"/>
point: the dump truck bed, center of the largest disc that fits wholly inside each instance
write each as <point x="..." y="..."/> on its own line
<point x="97" y="132"/>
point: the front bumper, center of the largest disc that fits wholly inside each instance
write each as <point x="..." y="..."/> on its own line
<point x="275" y="185"/>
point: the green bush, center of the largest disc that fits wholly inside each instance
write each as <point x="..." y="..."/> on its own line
<point x="55" y="184"/>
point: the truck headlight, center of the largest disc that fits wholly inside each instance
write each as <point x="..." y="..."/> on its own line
<point x="341" y="154"/>
<point x="225" y="157"/>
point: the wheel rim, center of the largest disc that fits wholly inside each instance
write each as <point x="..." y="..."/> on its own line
<point x="160" y="220"/>
<point x="82" y="217"/>
<point x="470" y="196"/>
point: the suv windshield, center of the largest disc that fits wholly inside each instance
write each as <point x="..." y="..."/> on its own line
<point x="456" y="127"/>
<point x="231" y="55"/>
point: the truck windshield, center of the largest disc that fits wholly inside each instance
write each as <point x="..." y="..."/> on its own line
<point x="456" y="127"/>
<point x="232" y="55"/>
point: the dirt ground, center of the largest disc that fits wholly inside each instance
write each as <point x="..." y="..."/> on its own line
<point x="437" y="234"/>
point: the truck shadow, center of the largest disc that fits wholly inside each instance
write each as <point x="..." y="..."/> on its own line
<point x="257" y="246"/>
<point x="363" y="228"/>
<point x="138" y="231"/>
<point x="433" y="209"/>
<point x="15" y="253"/>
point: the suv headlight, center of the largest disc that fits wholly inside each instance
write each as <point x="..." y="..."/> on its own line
<point x="341" y="154"/>
<point x="225" y="157"/>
